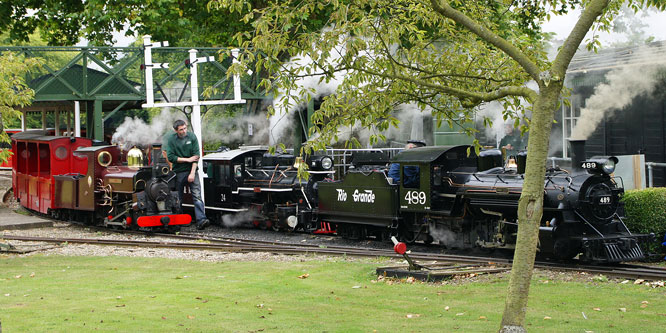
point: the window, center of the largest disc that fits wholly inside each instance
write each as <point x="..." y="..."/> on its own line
<point x="570" y="115"/>
<point x="411" y="176"/>
<point x="222" y="174"/>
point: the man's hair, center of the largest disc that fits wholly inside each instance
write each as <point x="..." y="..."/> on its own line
<point x="178" y="123"/>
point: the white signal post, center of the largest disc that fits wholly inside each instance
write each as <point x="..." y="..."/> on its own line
<point x="148" y="63"/>
<point x="194" y="92"/>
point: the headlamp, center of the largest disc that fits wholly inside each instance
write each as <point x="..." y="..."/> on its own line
<point x="600" y="164"/>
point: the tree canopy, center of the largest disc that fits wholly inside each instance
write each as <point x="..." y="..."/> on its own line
<point x="387" y="53"/>
<point x="13" y="91"/>
<point x="181" y="22"/>
<point x="446" y="56"/>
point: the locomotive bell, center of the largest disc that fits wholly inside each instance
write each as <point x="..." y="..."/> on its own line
<point x="135" y="157"/>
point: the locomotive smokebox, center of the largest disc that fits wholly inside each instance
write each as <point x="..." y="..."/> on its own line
<point x="577" y="149"/>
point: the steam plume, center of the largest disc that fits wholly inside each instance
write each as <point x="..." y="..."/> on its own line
<point x="623" y="85"/>
<point x="136" y="132"/>
<point x="236" y="130"/>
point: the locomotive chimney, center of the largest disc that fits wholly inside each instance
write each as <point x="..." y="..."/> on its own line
<point x="577" y="149"/>
<point x="155" y="155"/>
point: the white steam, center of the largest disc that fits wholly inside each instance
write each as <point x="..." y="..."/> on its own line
<point x="239" y="219"/>
<point x="446" y="237"/>
<point x="411" y="119"/>
<point x="245" y="129"/>
<point x="623" y="85"/>
<point x="492" y="111"/>
<point x="286" y="106"/>
<point x="136" y="132"/>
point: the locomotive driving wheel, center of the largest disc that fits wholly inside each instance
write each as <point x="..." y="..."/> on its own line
<point x="565" y="249"/>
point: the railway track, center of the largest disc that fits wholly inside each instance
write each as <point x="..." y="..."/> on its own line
<point x="243" y="245"/>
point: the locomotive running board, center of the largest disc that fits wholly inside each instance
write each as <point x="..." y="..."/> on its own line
<point x="233" y="210"/>
<point x="439" y="272"/>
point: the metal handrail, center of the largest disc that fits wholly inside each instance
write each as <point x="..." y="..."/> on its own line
<point x="340" y="156"/>
<point x="650" y="165"/>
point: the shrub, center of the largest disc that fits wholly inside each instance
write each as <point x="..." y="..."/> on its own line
<point x="646" y="213"/>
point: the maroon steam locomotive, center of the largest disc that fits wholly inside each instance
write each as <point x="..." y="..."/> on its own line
<point x="79" y="179"/>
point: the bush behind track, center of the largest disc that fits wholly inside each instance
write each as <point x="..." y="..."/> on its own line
<point x="646" y="212"/>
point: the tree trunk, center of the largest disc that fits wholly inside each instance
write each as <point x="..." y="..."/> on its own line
<point x="530" y="209"/>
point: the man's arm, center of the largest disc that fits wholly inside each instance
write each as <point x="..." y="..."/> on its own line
<point x="193" y="172"/>
<point x="188" y="159"/>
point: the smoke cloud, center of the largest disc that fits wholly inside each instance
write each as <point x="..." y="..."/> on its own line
<point x="492" y="111"/>
<point x="621" y="87"/>
<point x="446" y="237"/>
<point x="245" y="129"/>
<point x="411" y="119"/>
<point x="286" y="106"/>
<point x="239" y="219"/>
<point x="136" y="132"/>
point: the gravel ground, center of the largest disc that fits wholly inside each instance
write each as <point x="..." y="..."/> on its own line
<point x="68" y="230"/>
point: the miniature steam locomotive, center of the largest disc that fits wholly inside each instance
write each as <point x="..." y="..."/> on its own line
<point x="76" y="179"/>
<point x="263" y="187"/>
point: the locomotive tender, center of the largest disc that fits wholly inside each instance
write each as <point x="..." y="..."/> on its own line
<point x="76" y="179"/>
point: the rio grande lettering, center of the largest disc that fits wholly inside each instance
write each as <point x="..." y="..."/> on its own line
<point x="365" y="196"/>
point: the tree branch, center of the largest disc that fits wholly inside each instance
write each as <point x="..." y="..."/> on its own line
<point x="467" y="97"/>
<point x="443" y="8"/>
<point x="571" y="44"/>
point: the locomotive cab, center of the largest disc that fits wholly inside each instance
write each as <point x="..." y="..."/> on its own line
<point x="431" y="191"/>
<point x="226" y="172"/>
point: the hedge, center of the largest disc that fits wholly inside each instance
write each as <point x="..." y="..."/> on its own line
<point x="646" y="212"/>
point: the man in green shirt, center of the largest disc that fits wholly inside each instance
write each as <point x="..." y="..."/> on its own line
<point x="183" y="152"/>
<point x="512" y="141"/>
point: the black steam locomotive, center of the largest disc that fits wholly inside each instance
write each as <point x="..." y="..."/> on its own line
<point x="263" y="187"/>
<point x="465" y="201"/>
<point x="459" y="199"/>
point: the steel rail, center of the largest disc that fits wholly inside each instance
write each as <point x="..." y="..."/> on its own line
<point x="622" y="271"/>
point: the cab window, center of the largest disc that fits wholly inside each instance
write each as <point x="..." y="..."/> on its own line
<point x="411" y="176"/>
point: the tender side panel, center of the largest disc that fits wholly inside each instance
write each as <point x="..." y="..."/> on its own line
<point x="360" y="198"/>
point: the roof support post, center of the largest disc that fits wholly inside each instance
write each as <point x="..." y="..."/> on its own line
<point x="98" y="123"/>
<point x="69" y="122"/>
<point x="77" y="119"/>
<point x="57" y="121"/>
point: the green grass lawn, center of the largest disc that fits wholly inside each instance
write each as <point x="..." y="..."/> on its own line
<point x="73" y="294"/>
